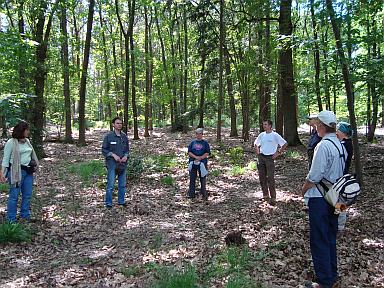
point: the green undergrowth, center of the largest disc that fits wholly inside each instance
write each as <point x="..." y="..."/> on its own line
<point x="14" y="233"/>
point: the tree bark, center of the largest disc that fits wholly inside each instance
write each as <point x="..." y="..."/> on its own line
<point x="348" y="87"/>
<point x="286" y="80"/>
<point x="221" y="90"/>
<point x="83" y="83"/>
<point x="65" y="63"/>
<point x="147" y="73"/>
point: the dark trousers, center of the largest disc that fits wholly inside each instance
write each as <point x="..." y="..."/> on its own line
<point x="266" y="168"/>
<point x="192" y="182"/>
<point x="323" y="231"/>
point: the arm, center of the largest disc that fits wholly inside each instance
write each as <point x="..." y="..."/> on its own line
<point x="6" y="159"/>
<point x="106" y="152"/>
<point x="307" y="185"/>
<point x="280" y="151"/>
<point x="126" y="152"/>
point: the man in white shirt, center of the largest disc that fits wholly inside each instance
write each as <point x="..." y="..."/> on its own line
<point x="267" y="144"/>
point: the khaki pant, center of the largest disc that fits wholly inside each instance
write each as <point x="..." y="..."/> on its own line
<point x="266" y="169"/>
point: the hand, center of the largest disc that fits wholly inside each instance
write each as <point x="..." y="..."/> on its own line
<point x="124" y="159"/>
<point x="274" y="156"/>
<point x="117" y="158"/>
<point x="3" y="179"/>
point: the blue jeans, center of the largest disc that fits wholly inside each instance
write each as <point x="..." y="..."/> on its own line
<point x="122" y="183"/>
<point x="192" y="182"/>
<point x="323" y="231"/>
<point x="25" y="187"/>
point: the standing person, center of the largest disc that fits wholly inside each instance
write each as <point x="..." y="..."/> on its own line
<point x="19" y="164"/>
<point x="267" y="144"/>
<point x="326" y="164"/>
<point x="344" y="133"/>
<point x="198" y="151"/>
<point x="116" y="152"/>
<point x="314" y="139"/>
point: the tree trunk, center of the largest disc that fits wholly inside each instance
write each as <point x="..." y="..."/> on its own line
<point x="65" y="63"/>
<point x="221" y="90"/>
<point x="126" y="68"/>
<point x="202" y="90"/>
<point x="147" y="73"/>
<point x="316" y="58"/>
<point x="107" y="97"/>
<point x="348" y="87"/>
<point x="185" y="124"/>
<point x="41" y="38"/>
<point x="83" y="83"/>
<point x="232" y="105"/>
<point x="373" y="90"/>
<point x="132" y="8"/>
<point x="286" y="76"/>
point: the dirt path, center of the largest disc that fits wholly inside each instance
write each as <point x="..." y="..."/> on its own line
<point x="77" y="242"/>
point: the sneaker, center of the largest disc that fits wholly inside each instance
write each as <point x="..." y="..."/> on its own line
<point x="123" y="204"/>
<point x="108" y="207"/>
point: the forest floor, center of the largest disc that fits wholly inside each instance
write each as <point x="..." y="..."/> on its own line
<point x="77" y="242"/>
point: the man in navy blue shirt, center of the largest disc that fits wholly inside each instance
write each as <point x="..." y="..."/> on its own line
<point x="116" y="150"/>
<point x="198" y="151"/>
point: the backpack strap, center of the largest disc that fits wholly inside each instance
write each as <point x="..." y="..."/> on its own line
<point x="342" y="155"/>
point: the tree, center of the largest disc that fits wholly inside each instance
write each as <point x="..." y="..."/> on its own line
<point x="83" y="83"/>
<point x="348" y="87"/>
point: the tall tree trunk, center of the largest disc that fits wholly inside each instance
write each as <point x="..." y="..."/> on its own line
<point x="185" y="124"/>
<point x="202" y="90"/>
<point x="65" y="63"/>
<point x="348" y="87"/>
<point x="165" y="68"/>
<point x="173" y="63"/>
<point x="126" y="68"/>
<point x="327" y="93"/>
<point x="107" y="97"/>
<point x="41" y="37"/>
<point x="232" y="105"/>
<point x="286" y="76"/>
<point x="151" y="75"/>
<point x="147" y="73"/>
<point x="372" y="86"/>
<point x="221" y="90"/>
<point x="84" y="73"/>
<point x="316" y="57"/>
<point x="132" y="8"/>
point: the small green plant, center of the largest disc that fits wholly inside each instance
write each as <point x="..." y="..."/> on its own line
<point x="236" y="155"/>
<point x="240" y="280"/>
<point x="157" y="241"/>
<point x="293" y="154"/>
<point x="172" y="278"/>
<point x="237" y="170"/>
<point x="134" y="270"/>
<point x="161" y="162"/>
<point x="239" y="259"/>
<point x="14" y="232"/>
<point x="214" y="172"/>
<point x="88" y="170"/>
<point x="4" y="187"/>
<point x="167" y="180"/>
<point x="252" y="166"/>
<point x="135" y="167"/>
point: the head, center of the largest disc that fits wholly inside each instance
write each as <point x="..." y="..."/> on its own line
<point x="267" y="125"/>
<point x="117" y="123"/>
<point x="326" y="123"/>
<point x="344" y="130"/>
<point x="199" y="133"/>
<point x="21" y="130"/>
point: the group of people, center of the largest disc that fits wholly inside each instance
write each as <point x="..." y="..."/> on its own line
<point x="329" y="155"/>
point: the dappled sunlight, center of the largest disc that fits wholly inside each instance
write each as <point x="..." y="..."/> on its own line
<point x="171" y="255"/>
<point x="373" y="244"/>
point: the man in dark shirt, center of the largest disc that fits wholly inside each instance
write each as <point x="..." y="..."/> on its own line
<point x="198" y="151"/>
<point x="116" y="150"/>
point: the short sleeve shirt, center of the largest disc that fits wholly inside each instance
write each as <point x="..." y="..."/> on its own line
<point x="268" y="142"/>
<point x="199" y="148"/>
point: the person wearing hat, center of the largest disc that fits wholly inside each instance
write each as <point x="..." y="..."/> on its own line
<point x="198" y="151"/>
<point x="314" y="139"/>
<point x="326" y="164"/>
<point x="266" y="145"/>
<point x="344" y="133"/>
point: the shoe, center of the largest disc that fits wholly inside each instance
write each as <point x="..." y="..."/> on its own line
<point x="108" y="207"/>
<point x="123" y="205"/>
<point x="272" y="202"/>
